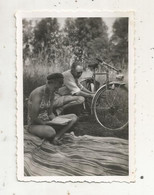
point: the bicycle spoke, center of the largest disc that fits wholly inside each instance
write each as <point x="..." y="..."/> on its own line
<point x="103" y="99"/>
<point x="112" y="108"/>
<point x="115" y="94"/>
<point x="111" y="121"/>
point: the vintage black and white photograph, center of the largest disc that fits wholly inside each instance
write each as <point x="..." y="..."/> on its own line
<point x="75" y="99"/>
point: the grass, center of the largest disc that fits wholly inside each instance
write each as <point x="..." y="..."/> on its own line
<point x="89" y="126"/>
<point x="34" y="75"/>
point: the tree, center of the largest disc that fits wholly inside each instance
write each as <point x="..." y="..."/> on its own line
<point x="46" y="35"/>
<point x="81" y="38"/>
<point x="119" y="42"/>
<point x="87" y="37"/>
<point x="28" y="38"/>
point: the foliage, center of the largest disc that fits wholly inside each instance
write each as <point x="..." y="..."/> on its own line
<point x="119" y="43"/>
<point x="46" y="39"/>
<point x="87" y="37"/>
<point x="44" y="42"/>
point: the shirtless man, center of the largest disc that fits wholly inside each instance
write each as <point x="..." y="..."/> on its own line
<point x="40" y="110"/>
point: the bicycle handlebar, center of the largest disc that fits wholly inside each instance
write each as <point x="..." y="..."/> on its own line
<point x="108" y="65"/>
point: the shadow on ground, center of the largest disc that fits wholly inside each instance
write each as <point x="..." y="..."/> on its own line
<point x="89" y="126"/>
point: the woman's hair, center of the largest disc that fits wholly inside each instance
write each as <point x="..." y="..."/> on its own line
<point x="53" y="77"/>
<point x="50" y="81"/>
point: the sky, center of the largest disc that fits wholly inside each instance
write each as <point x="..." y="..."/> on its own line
<point x="109" y="22"/>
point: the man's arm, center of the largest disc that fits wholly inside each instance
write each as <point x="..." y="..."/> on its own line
<point x="75" y="89"/>
<point x="84" y="94"/>
<point x="86" y="90"/>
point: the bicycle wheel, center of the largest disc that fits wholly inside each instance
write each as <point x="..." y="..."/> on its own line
<point x="110" y="106"/>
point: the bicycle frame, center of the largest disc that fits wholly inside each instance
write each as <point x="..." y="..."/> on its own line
<point x="102" y="63"/>
<point x="107" y="83"/>
<point x="115" y="89"/>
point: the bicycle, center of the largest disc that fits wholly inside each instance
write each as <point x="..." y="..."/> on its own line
<point x="110" y="102"/>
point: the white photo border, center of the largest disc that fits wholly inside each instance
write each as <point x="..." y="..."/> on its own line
<point x="131" y="69"/>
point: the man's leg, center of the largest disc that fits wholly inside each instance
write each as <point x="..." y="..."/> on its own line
<point x="68" y="104"/>
<point x="88" y="102"/>
<point x="73" y="100"/>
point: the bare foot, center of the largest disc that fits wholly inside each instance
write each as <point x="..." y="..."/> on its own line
<point x="57" y="142"/>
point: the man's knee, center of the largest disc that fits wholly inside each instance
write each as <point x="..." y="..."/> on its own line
<point x="74" y="99"/>
<point x="74" y="118"/>
<point x="80" y="99"/>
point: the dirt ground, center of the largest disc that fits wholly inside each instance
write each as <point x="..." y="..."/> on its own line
<point x="89" y="126"/>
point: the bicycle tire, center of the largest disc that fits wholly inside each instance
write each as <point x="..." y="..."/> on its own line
<point x="110" y="106"/>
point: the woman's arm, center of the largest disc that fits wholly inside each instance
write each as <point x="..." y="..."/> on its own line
<point x="50" y="110"/>
<point x="34" y="110"/>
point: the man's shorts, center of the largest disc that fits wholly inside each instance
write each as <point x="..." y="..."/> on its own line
<point x="58" y="101"/>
